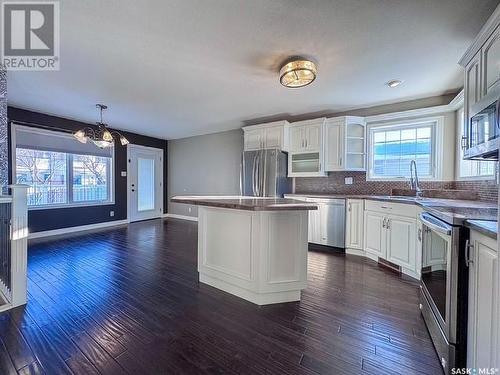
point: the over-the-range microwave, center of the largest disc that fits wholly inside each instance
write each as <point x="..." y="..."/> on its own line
<point x="483" y="129"/>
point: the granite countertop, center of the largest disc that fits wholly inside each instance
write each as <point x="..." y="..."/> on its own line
<point x="246" y="203"/>
<point x="453" y="211"/>
<point x="488" y="228"/>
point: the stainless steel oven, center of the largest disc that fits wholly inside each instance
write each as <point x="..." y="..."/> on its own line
<point x="444" y="288"/>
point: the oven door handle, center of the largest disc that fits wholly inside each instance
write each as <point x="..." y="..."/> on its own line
<point x="436" y="224"/>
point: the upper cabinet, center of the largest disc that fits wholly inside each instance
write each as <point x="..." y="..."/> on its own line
<point x="490" y="55"/>
<point x="264" y="136"/>
<point x="481" y="65"/>
<point x="306" y="135"/>
<point x="345" y="144"/>
<point x="472" y="85"/>
<point x="304" y="143"/>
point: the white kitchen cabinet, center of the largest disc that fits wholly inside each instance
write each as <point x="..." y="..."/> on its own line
<point x="490" y="59"/>
<point x="313" y="136"/>
<point x="472" y="90"/>
<point x="273" y="137"/>
<point x="306" y="136"/>
<point x="374" y="234"/>
<point x="354" y="226"/>
<point x="401" y="235"/>
<point x="482" y="336"/>
<point x="265" y="136"/>
<point x="253" y="139"/>
<point x="314" y="232"/>
<point x="345" y="144"/>
<point x="334" y="147"/>
<point x="390" y="233"/>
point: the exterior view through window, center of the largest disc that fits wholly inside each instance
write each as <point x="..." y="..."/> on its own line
<point x="394" y="147"/>
<point x="57" y="178"/>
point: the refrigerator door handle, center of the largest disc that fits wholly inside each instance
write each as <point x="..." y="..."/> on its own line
<point x="254" y="191"/>
<point x="242" y="169"/>
<point x="264" y="176"/>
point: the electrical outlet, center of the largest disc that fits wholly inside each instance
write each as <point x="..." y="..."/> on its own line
<point x="348" y="180"/>
<point x="112" y="213"/>
<point x="124" y="174"/>
<point x="190" y="209"/>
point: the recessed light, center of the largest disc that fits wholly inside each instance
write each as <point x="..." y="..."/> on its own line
<point x="394" y="83"/>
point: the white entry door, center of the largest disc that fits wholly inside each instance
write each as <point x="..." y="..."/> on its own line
<point x="145" y="182"/>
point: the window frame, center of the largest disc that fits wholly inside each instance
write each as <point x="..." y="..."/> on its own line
<point x="69" y="172"/>
<point x="437" y="123"/>
<point x="460" y="127"/>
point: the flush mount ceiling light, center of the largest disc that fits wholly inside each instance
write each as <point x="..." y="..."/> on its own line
<point x="298" y="73"/>
<point x="394" y="83"/>
<point x="101" y="136"/>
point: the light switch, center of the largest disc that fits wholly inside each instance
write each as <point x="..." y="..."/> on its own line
<point x="348" y="181"/>
<point x="124" y="174"/>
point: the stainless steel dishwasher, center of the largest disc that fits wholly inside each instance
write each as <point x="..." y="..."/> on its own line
<point x="327" y="224"/>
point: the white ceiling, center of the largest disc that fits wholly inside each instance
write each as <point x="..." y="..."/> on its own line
<point x="178" y="68"/>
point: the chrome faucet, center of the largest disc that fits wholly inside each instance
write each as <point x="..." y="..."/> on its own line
<point x="414" y="182"/>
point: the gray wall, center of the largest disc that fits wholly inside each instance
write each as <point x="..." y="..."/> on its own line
<point x="206" y="164"/>
<point x="4" y="176"/>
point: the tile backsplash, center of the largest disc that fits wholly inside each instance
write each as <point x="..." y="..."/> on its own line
<point x="334" y="184"/>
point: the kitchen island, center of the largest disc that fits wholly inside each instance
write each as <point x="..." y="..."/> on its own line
<point x="253" y="248"/>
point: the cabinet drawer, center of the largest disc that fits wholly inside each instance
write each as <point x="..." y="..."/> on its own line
<point x="402" y="209"/>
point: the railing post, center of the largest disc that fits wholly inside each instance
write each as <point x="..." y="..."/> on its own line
<point x="19" y="244"/>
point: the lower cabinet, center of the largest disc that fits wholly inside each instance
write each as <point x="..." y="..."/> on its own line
<point x="390" y="235"/>
<point x="374" y="234"/>
<point x="354" y="225"/>
<point x="483" y="344"/>
<point x="401" y="235"/>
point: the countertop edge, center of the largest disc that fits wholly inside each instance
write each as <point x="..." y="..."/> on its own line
<point x="213" y="202"/>
<point x="474" y="225"/>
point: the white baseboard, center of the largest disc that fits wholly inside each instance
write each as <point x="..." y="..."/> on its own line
<point x="81" y="228"/>
<point x="358" y="252"/>
<point x="182" y="217"/>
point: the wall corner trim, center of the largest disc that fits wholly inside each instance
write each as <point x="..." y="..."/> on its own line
<point x="182" y="217"/>
<point x="55" y="232"/>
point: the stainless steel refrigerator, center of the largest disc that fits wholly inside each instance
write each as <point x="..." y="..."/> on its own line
<point x="264" y="173"/>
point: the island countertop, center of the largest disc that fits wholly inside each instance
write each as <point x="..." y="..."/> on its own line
<point x="246" y="203"/>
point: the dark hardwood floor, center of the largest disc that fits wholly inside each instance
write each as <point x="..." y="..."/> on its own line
<point x="127" y="300"/>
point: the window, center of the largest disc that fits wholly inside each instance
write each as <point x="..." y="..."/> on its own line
<point x="394" y="146"/>
<point x="471" y="169"/>
<point x="45" y="173"/>
<point x="57" y="177"/>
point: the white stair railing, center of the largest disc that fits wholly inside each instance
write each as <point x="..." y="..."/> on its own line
<point x="15" y="289"/>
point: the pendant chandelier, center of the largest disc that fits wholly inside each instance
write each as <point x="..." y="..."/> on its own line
<point x="298" y="72"/>
<point x="101" y="137"/>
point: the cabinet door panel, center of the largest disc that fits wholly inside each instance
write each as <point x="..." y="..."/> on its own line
<point x="491" y="62"/>
<point x="296" y="138"/>
<point x="401" y="240"/>
<point x="334" y="149"/>
<point x="354" y="224"/>
<point x="253" y="139"/>
<point x="273" y="137"/>
<point x="374" y="234"/>
<point x="313" y="137"/>
<point x="472" y="89"/>
<point x="483" y="310"/>
<point x="314" y="233"/>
